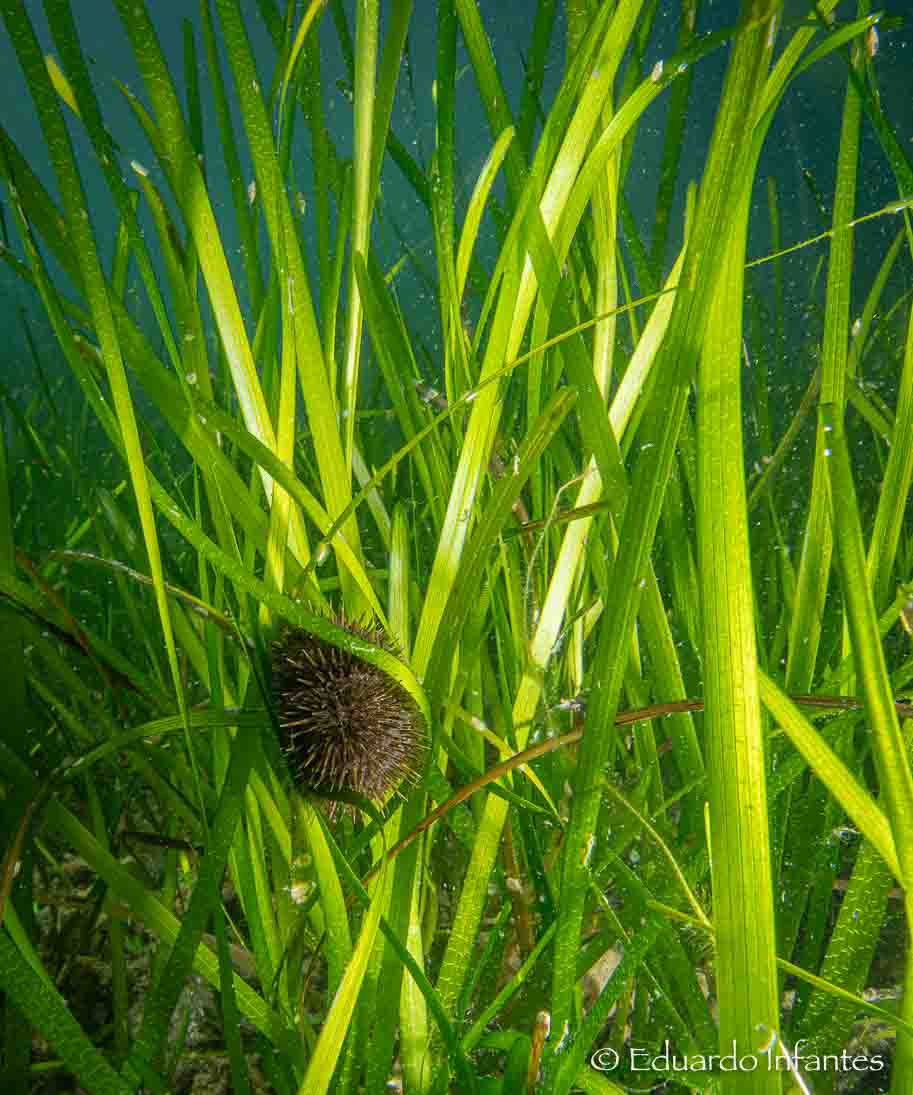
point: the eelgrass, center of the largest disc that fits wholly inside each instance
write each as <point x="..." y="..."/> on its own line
<point x="563" y="527"/>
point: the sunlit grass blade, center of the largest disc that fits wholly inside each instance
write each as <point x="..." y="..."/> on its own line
<point x="722" y="181"/>
<point x="814" y="565"/>
<point x="833" y="772"/>
<point x="476" y="208"/>
<point x="743" y="911"/>
<point x="532" y="476"/>
<point x="890" y="753"/>
<point x="895" y="486"/>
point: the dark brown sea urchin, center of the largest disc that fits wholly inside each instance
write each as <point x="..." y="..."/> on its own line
<point x="346" y="725"/>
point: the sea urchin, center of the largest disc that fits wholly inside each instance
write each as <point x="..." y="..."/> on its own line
<point x="346" y="725"/>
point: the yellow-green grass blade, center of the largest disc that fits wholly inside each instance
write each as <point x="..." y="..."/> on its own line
<point x="249" y="865"/>
<point x="892" y="759"/>
<point x="859" y="65"/>
<point x="173" y="403"/>
<point x="527" y="698"/>
<point x="515" y="302"/>
<point x="832" y="771"/>
<point x="186" y="179"/>
<point x="815" y="562"/>
<point x="367" y="32"/>
<point x="464" y="1075"/>
<point x="61" y="84"/>
<point x="339" y="940"/>
<point x="192" y="367"/>
<point x="592" y="1083"/>
<point x="474" y="559"/>
<point x="476" y="208"/>
<point x="344" y="1005"/>
<point x="375" y="502"/>
<point x="605" y="202"/>
<point x="724" y="179"/>
<point x="243" y="216"/>
<point x="188" y="412"/>
<point x="415" y="1038"/>
<point x="836" y="993"/>
<point x="231" y="567"/>
<point x="391" y="62"/>
<point x="404" y="909"/>
<point x="871" y="409"/>
<point x="281" y="508"/>
<point x="474" y="457"/>
<point x="458" y="370"/>
<point x="393" y="351"/>
<point x="743" y="911"/>
<point x="867" y="322"/>
<point x="329" y="182"/>
<point x="895" y="484"/>
<point x="294" y="296"/>
<point x="308" y="20"/>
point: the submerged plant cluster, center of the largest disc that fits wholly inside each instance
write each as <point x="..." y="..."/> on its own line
<point x="623" y="741"/>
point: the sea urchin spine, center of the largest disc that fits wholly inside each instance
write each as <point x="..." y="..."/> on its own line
<point x="346" y="725"/>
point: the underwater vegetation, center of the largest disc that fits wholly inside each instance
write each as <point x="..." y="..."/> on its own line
<point x="466" y="649"/>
